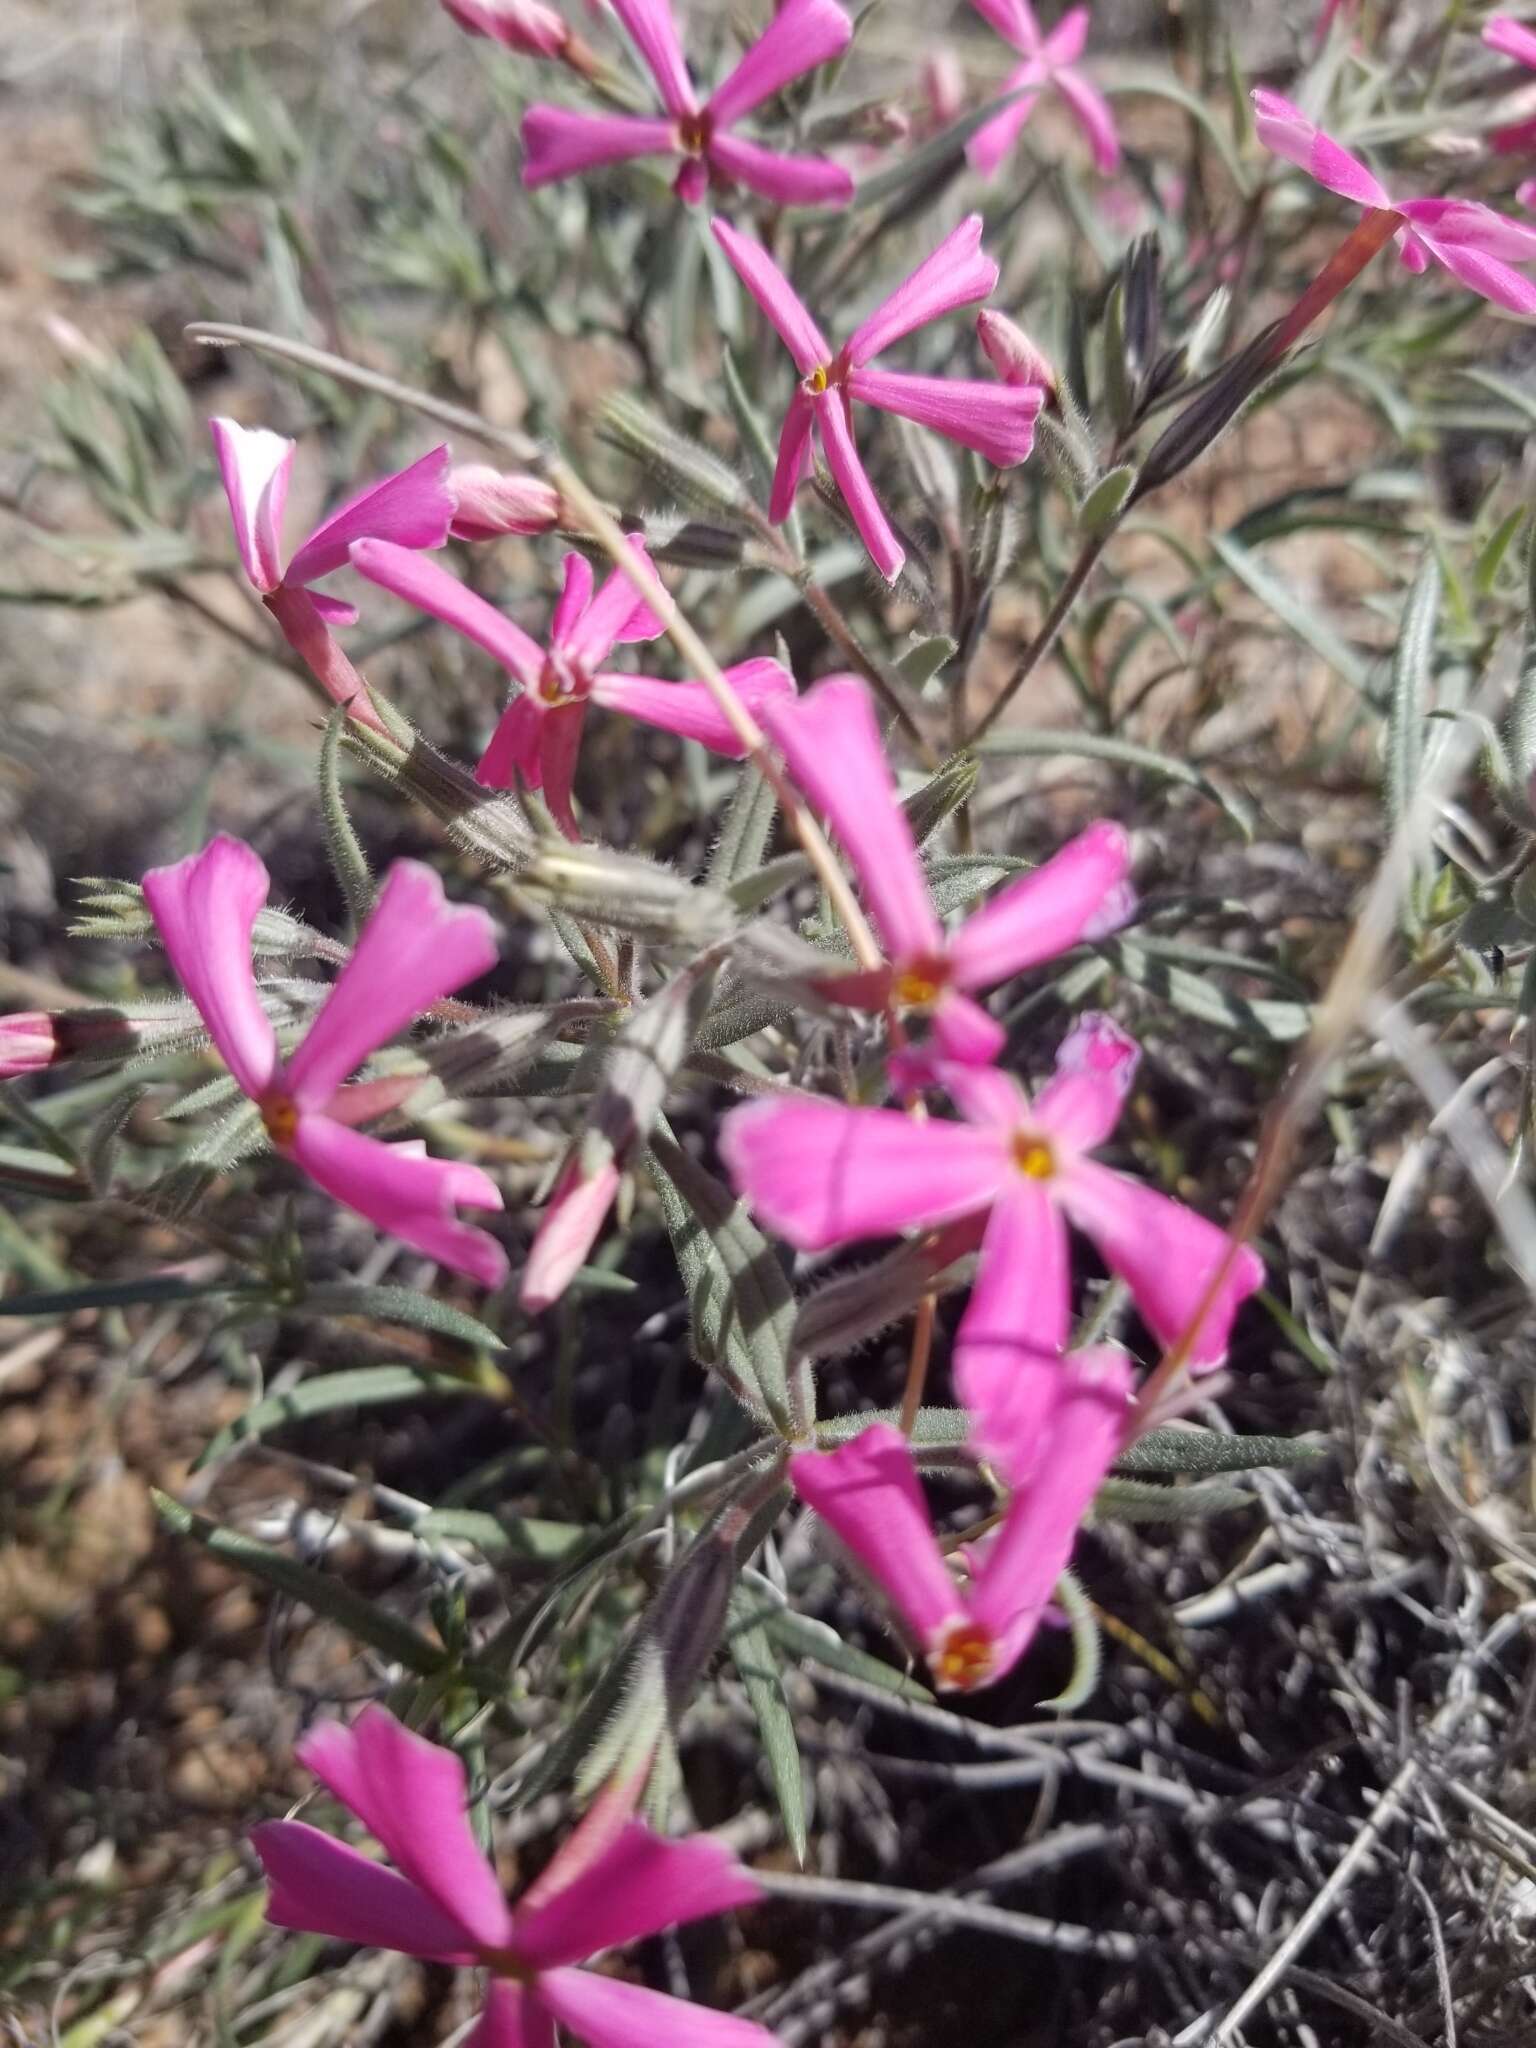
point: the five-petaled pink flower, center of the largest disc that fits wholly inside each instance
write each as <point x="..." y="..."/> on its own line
<point x="612" y="1882"/>
<point x="540" y="731"/>
<point x="415" y="949"/>
<point x="1470" y="240"/>
<point x="997" y="421"/>
<point x="1048" y="61"/>
<point x="412" y="509"/>
<point x="867" y="1491"/>
<point x="1513" y="39"/>
<point x="804" y="33"/>
<point x="821" y="1173"/>
<point x="831" y="740"/>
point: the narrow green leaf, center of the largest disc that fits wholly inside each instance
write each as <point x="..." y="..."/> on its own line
<point x="1412" y="664"/>
<point x="1298" y="617"/>
<point x="1198" y="1451"/>
<point x="750" y="425"/>
<point x="65" y="1301"/>
<point x="397" y="1305"/>
<point x="758" y="1667"/>
<point x="1087" y="1646"/>
<point x="369" y="1386"/>
<point x="742" y="1303"/>
<point x="801" y="1635"/>
<point x="327" y="1597"/>
<point x="1095" y="746"/>
<point x="743" y="839"/>
<point x="1197" y="995"/>
<point x="1144" y="1500"/>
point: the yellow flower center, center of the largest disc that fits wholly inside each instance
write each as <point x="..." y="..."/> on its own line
<point x="505" y="1962"/>
<point x="693" y="133"/>
<point x="1033" y="1156"/>
<point x="964" y="1657"/>
<point x="560" y="682"/>
<point x="919" y="986"/>
<point x="280" y="1114"/>
<point x="818" y="380"/>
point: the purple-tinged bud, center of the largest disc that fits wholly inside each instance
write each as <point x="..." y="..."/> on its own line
<point x="525" y="25"/>
<point x="1011" y="352"/>
<point x="489" y="502"/>
<point x="28" y="1043"/>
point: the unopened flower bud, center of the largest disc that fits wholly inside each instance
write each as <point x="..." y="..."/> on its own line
<point x="491" y="502"/>
<point x="28" y="1043"/>
<point x="1011" y="353"/>
<point x="943" y="87"/>
<point x="568" y="1231"/>
<point x="525" y="25"/>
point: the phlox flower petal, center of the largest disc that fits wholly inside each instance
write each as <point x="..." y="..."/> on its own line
<point x="413" y="1795"/>
<point x="830" y="740"/>
<point x="955" y="275"/>
<point x="775" y="295"/>
<point x="415" y="948"/>
<point x="852" y="479"/>
<point x="867" y="1492"/>
<point x="1283" y="127"/>
<point x="786" y="180"/>
<point x="997" y="420"/>
<point x="318" y="1885"/>
<point x="403" y="1192"/>
<point x="1166" y="1254"/>
<point x="412" y="509"/>
<point x="205" y="908"/>
<point x="639" y="1885"/>
<point x="688" y="709"/>
<point x="1044" y="913"/>
<point x="430" y="588"/>
<point x="512" y="2018"/>
<point x="255" y="466"/>
<point x="557" y="142"/>
<point x="607" y="2013"/>
<point x="1093" y="116"/>
<point x="802" y="34"/>
<point x="819" y="1173"/>
<point x="653" y="32"/>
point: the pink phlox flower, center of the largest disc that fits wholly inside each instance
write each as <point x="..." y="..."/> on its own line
<point x="1049" y="61"/>
<point x="868" y="1493"/>
<point x="997" y="423"/>
<point x="1477" y="245"/>
<point x="557" y="143"/>
<point x="1513" y="39"/>
<point x="830" y="739"/>
<point x="412" y="509"/>
<point x="527" y="26"/>
<point x="415" y="949"/>
<point x="821" y="1173"/>
<point x="612" y="1882"/>
<point x="539" y="734"/>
